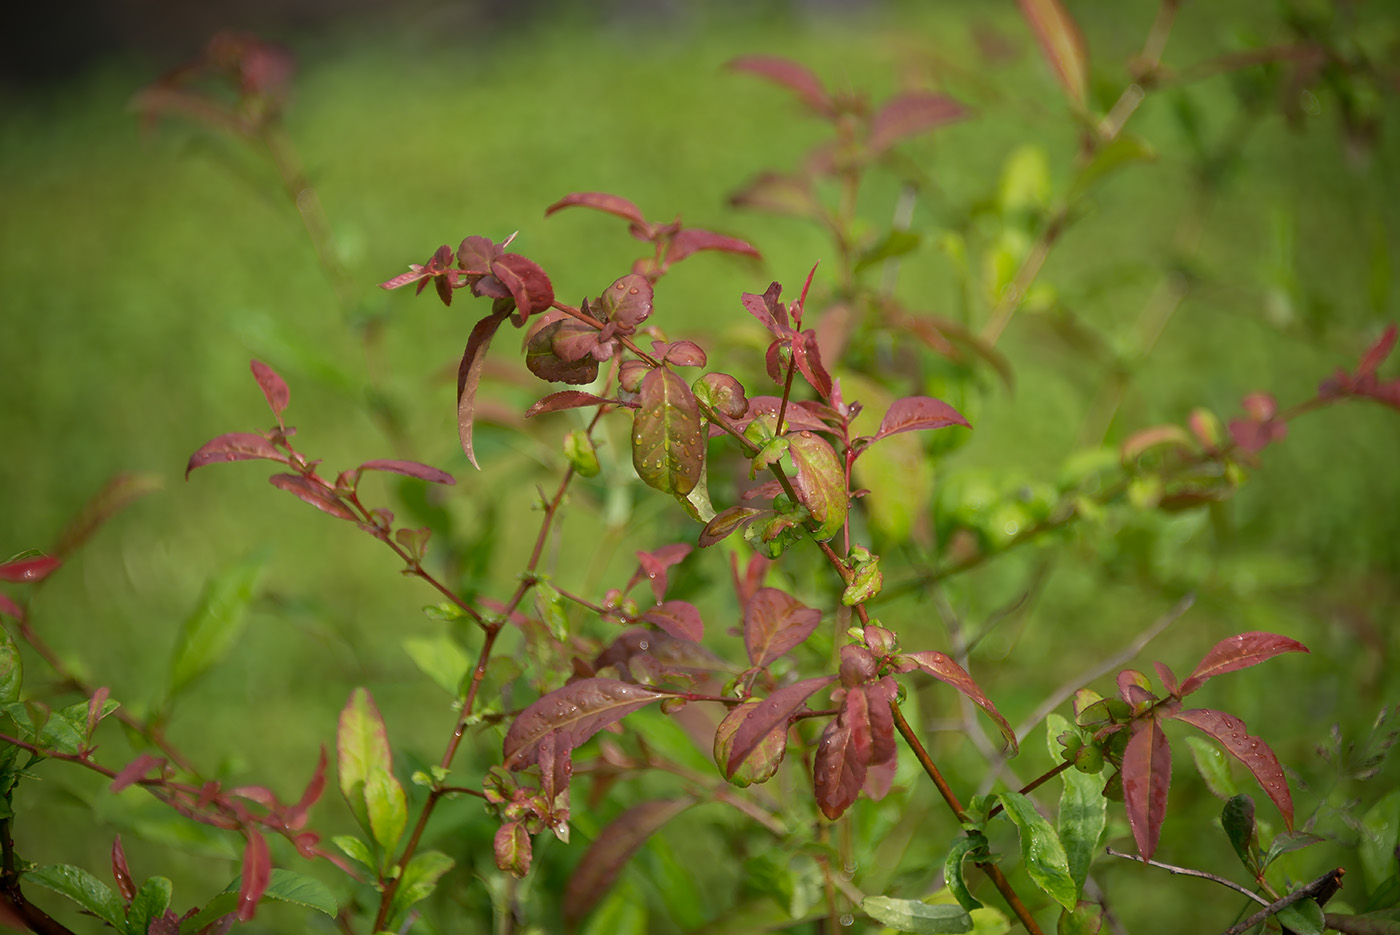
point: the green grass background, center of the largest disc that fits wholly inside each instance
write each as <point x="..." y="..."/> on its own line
<point x="142" y="271"/>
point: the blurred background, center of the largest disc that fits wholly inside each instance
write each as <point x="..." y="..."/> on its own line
<point x="143" y="265"/>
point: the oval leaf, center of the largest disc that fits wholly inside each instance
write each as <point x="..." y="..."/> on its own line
<point x="943" y="668"/>
<point x="1230" y="732"/>
<point x="775" y="622"/>
<point x="273" y="387"/>
<point x="1041" y="850"/>
<point x="577" y="711"/>
<point x="600" y="201"/>
<point x="693" y="240"/>
<point x="1239" y="652"/>
<point x="308" y="491"/>
<point x="912" y="915"/>
<point x="527" y="282"/>
<point x="362" y="746"/>
<point x="679" y="619"/>
<point x="1147" y="776"/>
<point x="29" y="570"/>
<point x="910" y="114"/>
<point x="668" y="449"/>
<point x="913" y="413"/>
<point x="820" y="482"/>
<point x="628" y="301"/>
<point x="611" y="850"/>
<point x="762" y="764"/>
<point x="234" y="446"/>
<point x="771" y="712"/>
<point x="469" y="375"/>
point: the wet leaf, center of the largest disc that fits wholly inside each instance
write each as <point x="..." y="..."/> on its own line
<point x="1147" y="776"/>
<point x="469" y="375"/>
<point x="600" y="201"/>
<point x="773" y="711"/>
<point x="410" y="469"/>
<point x="256" y="874"/>
<point x="796" y="78"/>
<point x="1239" y="652"/>
<point x="910" y="114"/>
<point x="610" y="851"/>
<point x="914" y="413"/>
<point x="765" y="758"/>
<point x="1062" y="45"/>
<point x="628" y="301"/>
<point x="1230" y="732"/>
<point x="362" y="747"/>
<point x="577" y="711"/>
<point x="942" y="667"/>
<point x="820" y="482"/>
<point x="912" y="915"/>
<point x="679" y="619"/>
<point x="84" y="889"/>
<point x="528" y="284"/>
<point x="668" y="447"/>
<point x="274" y="388"/>
<point x="1041" y="850"/>
<point x="725" y="523"/>
<point x="974" y="845"/>
<point x="774" y="623"/>
<point x="308" y="491"/>
<point x="512" y="850"/>
<point x="234" y="446"/>
<point x="211" y="630"/>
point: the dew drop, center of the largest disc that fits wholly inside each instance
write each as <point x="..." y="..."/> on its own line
<point x="848" y="919"/>
<point x="644" y="645"/>
<point x="1011" y="528"/>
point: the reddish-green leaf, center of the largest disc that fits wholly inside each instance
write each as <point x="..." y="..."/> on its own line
<point x="838" y="770"/>
<point x="512" y="849"/>
<point x="628" y="301"/>
<point x="943" y="668"/>
<point x="528" y="284"/>
<point x="362" y="745"/>
<point x="808" y="358"/>
<point x="469" y="375"/>
<point x="410" y="469"/>
<point x="308" y="491"/>
<point x="611" y="850"/>
<point x="820" y="482"/>
<point x="29" y="570"/>
<point x="765" y="758"/>
<point x="1239" y="652"/>
<point x="121" y="872"/>
<point x="910" y="114"/>
<point x="234" y="446"/>
<point x="721" y="392"/>
<point x="775" y="622"/>
<point x="913" y="413"/>
<point x="566" y="399"/>
<point x="668" y="448"/>
<point x="1062" y="45"/>
<point x="476" y="254"/>
<point x="1230" y="732"/>
<point x="693" y="240"/>
<point x="789" y="74"/>
<point x="273" y="387"/>
<point x="678" y="618"/>
<point x="770" y="713"/>
<point x="577" y="711"/>
<point x="257" y="872"/>
<point x="725" y="523"/>
<point x="1147" y="775"/>
<point x="600" y="201"/>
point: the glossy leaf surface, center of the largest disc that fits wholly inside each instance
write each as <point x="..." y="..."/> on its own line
<point x="577" y="711"/>
<point x="1147" y="776"/>
<point x="668" y="448"/>
<point x="775" y="622"/>
<point x="942" y="667"/>
<point x="1230" y="732"/>
<point x="1239" y="652"/>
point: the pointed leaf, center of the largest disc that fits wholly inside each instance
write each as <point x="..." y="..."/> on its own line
<point x="149" y="904"/>
<point x="84" y="889"/>
<point x="820" y="482"/>
<point x="308" y="491"/>
<point x="692" y="240"/>
<point x="910" y="114"/>
<point x="11" y="666"/>
<point x="913" y="915"/>
<point x="469" y="375"/>
<point x="1083" y="810"/>
<point x="1041" y="850"/>
<point x="577" y="711"/>
<point x="362" y="745"/>
<point x="770" y="713"/>
<point x="611" y="850"/>
<point x="257" y="873"/>
<point x="775" y="622"/>
<point x="410" y="469"/>
<point x="953" y="869"/>
<point x="234" y="446"/>
<point x="943" y="668"/>
<point x="763" y="761"/>
<point x="1062" y="45"/>
<point x="668" y="450"/>
<point x="1230" y="732"/>
<point x="273" y="387"/>
<point x="212" y="629"/>
<point x="386" y="805"/>
<point x="789" y="74"/>
<point x="1239" y="652"/>
<point x="566" y="399"/>
<point x="528" y="284"/>
<point x="1147" y="776"/>
<point x="678" y="618"/>
<point x="417" y="883"/>
<point x="600" y="201"/>
<point x="913" y="413"/>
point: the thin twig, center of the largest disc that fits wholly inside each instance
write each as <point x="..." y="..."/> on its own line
<point x="1326" y="884"/>
<point x="1188" y="872"/>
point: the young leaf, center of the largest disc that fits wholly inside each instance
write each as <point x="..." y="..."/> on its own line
<point x="1239" y="652"/>
<point x="149" y="903"/>
<point x="820" y="482"/>
<point x="1237" y="818"/>
<point x="308" y="491"/>
<point x="789" y="74"/>
<point x="611" y="850"/>
<point x="913" y="413"/>
<point x="1083" y="810"/>
<point x="679" y="619"/>
<point x="953" y="869"/>
<point x="775" y="622"/>
<point x="410" y="469"/>
<point x="726" y="522"/>
<point x="11" y="667"/>
<point x="528" y="284"/>
<point x="913" y="915"/>
<point x="566" y="399"/>
<point x="943" y="668"/>
<point x="1230" y="732"/>
<point x="770" y="713"/>
<point x="763" y="761"/>
<point x="693" y="240"/>
<point x="417" y="883"/>
<point x="212" y="629"/>
<point x="1041" y="850"/>
<point x="577" y="711"/>
<point x="600" y="201"/>
<point x="121" y="872"/>
<point x="234" y="446"/>
<point x="1147" y="775"/>
<point x="386" y="805"/>
<point x="274" y="389"/>
<point x="1062" y="44"/>
<point x="362" y="745"/>
<point x="511" y="848"/>
<point x="910" y="114"/>
<point x="84" y="889"/>
<point x="257" y="873"/>
<point x="668" y="449"/>
<point x="469" y="375"/>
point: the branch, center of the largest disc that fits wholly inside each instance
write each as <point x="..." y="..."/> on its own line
<point x="1322" y="888"/>
<point x="1187" y="871"/>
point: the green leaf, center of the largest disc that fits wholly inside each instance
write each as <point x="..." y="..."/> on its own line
<point x="1287" y="842"/>
<point x="417" y="883"/>
<point x="361" y="743"/>
<point x="820" y="482"/>
<point x="1211" y="764"/>
<point x="1084" y="919"/>
<point x="953" y="870"/>
<point x="355" y="849"/>
<point x="1041" y="850"/>
<point x="912" y="915"/>
<point x="1083" y="810"/>
<point x="1124" y="150"/>
<point x="894" y="244"/>
<point x="84" y="889"/>
<point x="1237" y="818"/>
<point x="622" y="912"/>
<point x="212" y="629"/>
<point x="441" y="659"/>
<point x="387" y="805"/>
<point x="582" y="454"/>
<point x="550" y="607"/>
<point x="1380" y="829"/>
<point x="287" y="886"/>
<point x="668" y="446"/>
<point x="1303" y="917"/>
<point x="149" y="904"/>
<point x="11" y="668"/>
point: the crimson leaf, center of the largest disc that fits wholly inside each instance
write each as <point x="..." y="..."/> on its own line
<point x="775" y="622"/>
<point x="1230" y="732"/>
<point x="234" y="446"/>
<point x="600" y="201"/>
<point x="771" y="712"/>
<point x="1239" y="652"/>
<point x="313" y="493"/>
<point x="273" y="387"/>
<point x="578" y="711"/>
<point x="469" y="375"/>
<point x="678" y="618"/>
<point x="1147" y="775"/>
<point x="943" y="668"/>
<point x="910" y="114"/>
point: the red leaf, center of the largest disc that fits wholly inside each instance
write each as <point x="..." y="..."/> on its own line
<point x="775" y="622"/>
<point x="512" y="849"/>
<point x="771" y="712"/>
<point x="566" y="399"/>
<point x="135" y="771"/>
<point x="765" y="758"/>
<point x="469" y="375"/>
<point x="725" y="523"/>
<point x="653" y="566"/>
<point x="121" y="872"/>
<point x="611" y="850"/>
<point x="678" y="618"/>
<point x="578" y="711"/>
<point x="693" y="240"/>
<point x="1232" y="734"/>
<point x="273" y="387"/>
<point x="943" y="668"/>
<point x="809" y="361"/>
<point x="296" y="815"/>
<point x="1239" y="652"/>
<point x="913" y="413"/>
<point x="768" y="310"/>
<point x="410" y="469"/>
<point x="838" y="771"/>
<point x="234" y="446"/>
<point x="1062" y="45"/>
<point x="1377" y="353"/>
<point x="257" y="872"/>
<point x="312" y="493"/>
<point x="1147" y="775"/>
<point x="8" y="606"/>
<point x="628" y="301"/>
<point x="910" y="114"/>
<point x="29" y="570"/>
<point x="528" y="284"/>
<point x="790" y="75"/>
<point x="601" y="201"/>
